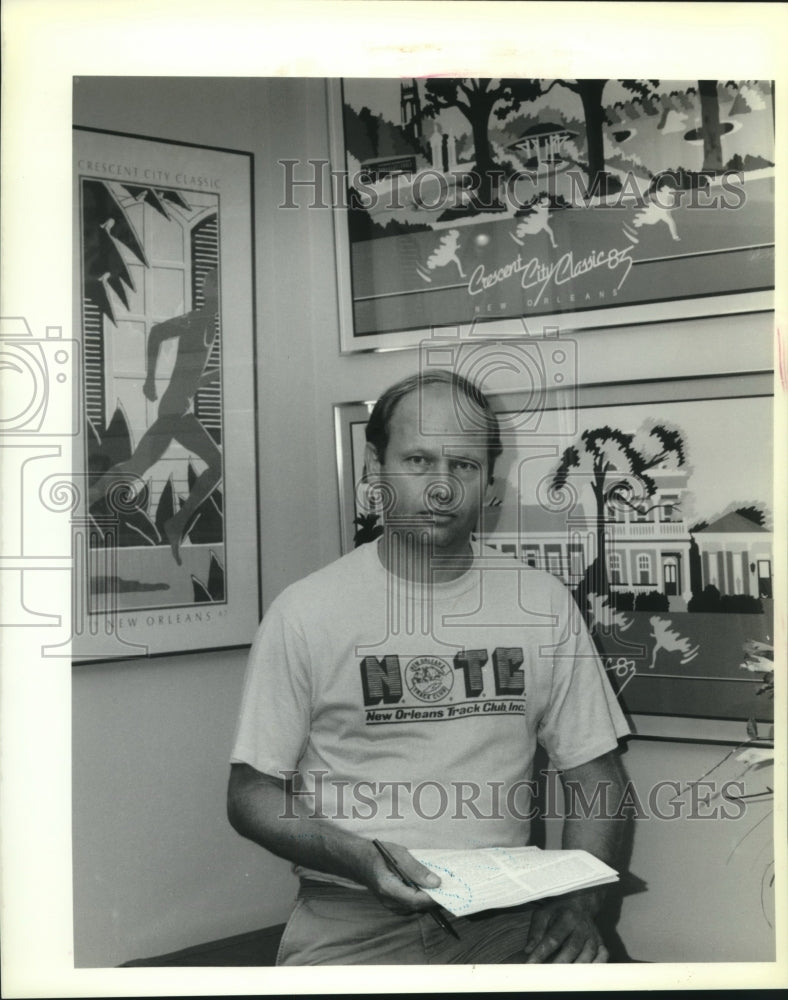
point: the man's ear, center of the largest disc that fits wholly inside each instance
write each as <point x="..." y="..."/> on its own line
<point x="371" y="460"/>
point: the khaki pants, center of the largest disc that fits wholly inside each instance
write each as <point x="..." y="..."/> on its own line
<point x="335" y="925"/>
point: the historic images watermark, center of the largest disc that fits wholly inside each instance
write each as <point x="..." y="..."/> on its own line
<point x="524" y="800"/>
<point x="439" y="191"/>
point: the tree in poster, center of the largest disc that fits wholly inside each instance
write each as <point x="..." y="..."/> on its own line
<point x="105" y="229"/>
<point x="475" y="99"/>
<point x="368" y="528"/>
<point x="710" y="125"/>
<point x="590" y="93"/>
<point x="615" y="466"/>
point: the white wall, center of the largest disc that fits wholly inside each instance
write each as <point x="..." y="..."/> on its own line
<point x="708" y="895"/>
<point x="155" y="865"/>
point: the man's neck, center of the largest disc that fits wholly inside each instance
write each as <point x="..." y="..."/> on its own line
<point x="412" y="556"/>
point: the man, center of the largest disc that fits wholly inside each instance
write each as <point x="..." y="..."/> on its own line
<point x="399" y="693"/>
<point x="176" y="421"/>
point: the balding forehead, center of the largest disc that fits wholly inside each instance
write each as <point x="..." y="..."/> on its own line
<point x="434" y="413"/>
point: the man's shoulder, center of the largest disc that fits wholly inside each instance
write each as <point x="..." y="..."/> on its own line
<point x="503" y="567"/>
<point x="340" y="577"/>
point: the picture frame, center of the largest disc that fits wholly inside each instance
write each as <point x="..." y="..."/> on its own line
<point x="683" y="616"/>
<point x="601" y="204"/>
<point x="166" y="559"/>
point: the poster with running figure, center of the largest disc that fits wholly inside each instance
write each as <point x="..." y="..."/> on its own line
<point x="498" y="207"/>
<point x="163" y="303"/>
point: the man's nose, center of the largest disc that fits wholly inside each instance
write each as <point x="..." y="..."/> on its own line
<point x="443" y="492"/>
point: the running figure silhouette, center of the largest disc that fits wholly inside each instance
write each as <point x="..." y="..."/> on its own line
<point x="176" y="421"/>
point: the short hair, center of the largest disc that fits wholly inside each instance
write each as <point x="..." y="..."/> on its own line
<point x="377" y="430"/>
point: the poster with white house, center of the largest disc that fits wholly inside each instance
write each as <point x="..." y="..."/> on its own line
<point x="508" y="201"/>
<point x="657" y="513"/>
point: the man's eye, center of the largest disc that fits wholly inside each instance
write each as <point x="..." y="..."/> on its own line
<point x="464" y="467"/>
<point x="417" y="460"/>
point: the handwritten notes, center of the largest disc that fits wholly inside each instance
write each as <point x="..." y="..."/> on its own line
<point x="491" y="877"/>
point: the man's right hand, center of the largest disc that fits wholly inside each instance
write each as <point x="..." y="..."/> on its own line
<point x="255" y="801"/>
<point x="389" y="888"/>
<point x="149" y="390"/>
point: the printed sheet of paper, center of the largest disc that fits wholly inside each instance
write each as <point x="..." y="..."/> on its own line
<point x="486" y="878"/>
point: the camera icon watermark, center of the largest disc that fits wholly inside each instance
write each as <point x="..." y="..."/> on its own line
<point x="37" y="387"/>
<point x="44" y="571"/>
<point x="37" y="407"/>
<point x="541" y="370"/>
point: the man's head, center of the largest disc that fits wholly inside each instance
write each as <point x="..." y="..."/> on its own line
<point x="470" y="402"/>
<point x="433" y="440"/>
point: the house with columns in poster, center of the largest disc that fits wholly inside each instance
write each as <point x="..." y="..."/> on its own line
<point x="649" y="546"/>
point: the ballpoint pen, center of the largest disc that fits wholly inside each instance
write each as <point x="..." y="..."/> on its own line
<point x="395" y="869"/>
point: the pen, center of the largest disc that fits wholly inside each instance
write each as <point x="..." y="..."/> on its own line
<point x="393" y="867"/>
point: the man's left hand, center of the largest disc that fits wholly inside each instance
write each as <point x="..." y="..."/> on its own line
<point x="563" y="932"/>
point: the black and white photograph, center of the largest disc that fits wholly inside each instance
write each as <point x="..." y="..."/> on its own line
<point x="394" y="498"/>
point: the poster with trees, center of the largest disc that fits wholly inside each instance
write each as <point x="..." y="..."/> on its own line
<point x="163" y="306"/>
<point x="497" y="206"/>
<point x="653" y="503"/>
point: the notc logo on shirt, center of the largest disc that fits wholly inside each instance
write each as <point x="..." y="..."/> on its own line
<point x="431" y="678"/>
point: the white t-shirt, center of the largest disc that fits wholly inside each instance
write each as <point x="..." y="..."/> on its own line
<point x="412" y="713"/>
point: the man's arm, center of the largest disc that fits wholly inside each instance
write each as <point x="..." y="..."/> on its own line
<point x="563" y="929"/>
<point x="264" y="809"/>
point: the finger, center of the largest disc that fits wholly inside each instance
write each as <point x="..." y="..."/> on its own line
<point x="406" y="906"/>
<point x="545" y="950"/>
<point x="576" y="949"/>
<point x="551" y="942"/>
<point x="602" y="955"/>
<point x="537" y="928"/>
<point x="412" y="868"/>
<point x="564" y="938"/>
<point x="395" y="895"/>
<point x="394" y="885"/>
<point x="569" y="940"/>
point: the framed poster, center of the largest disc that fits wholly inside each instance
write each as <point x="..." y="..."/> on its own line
<point x="165" y="525"/>
<point x="358" y="521"/>
<point x="652" y="502"/>
<point x="500" y="207"/>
